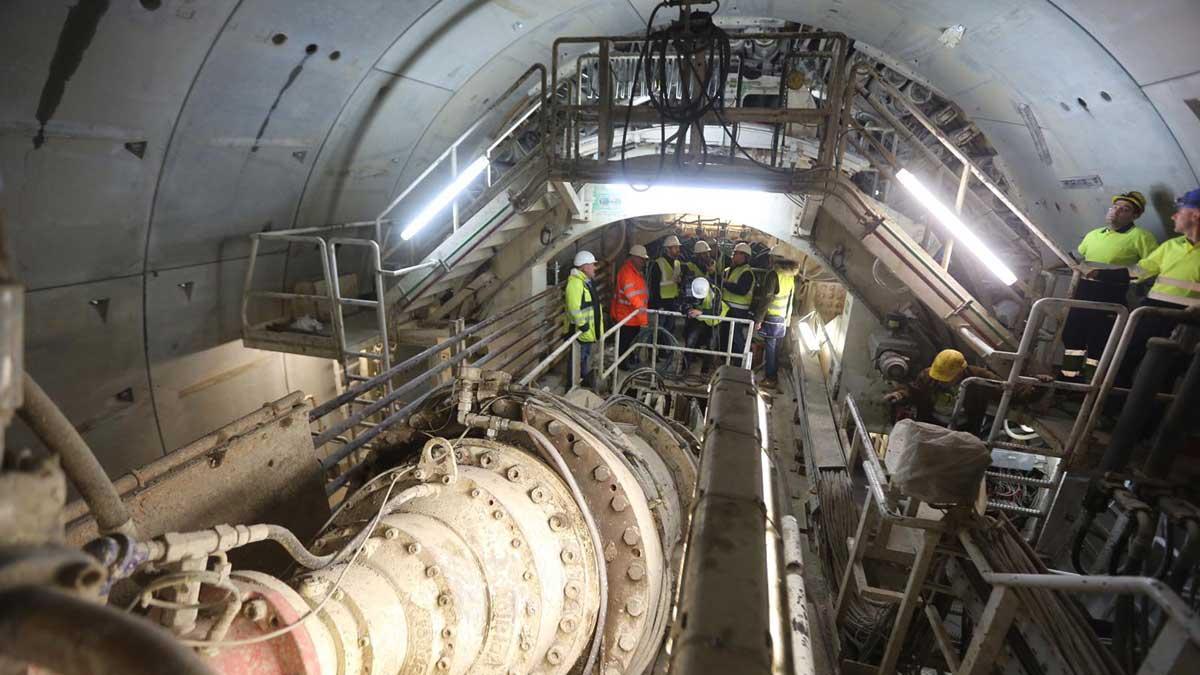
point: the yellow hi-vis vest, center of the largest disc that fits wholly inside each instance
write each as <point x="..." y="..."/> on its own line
<point x="579" y="307"/>
<point x="706" y="307"/>
<point x="668" y="284"/>
<point x="1177" y="265"/>
<point x="737" y="300"/>
<point x="780" y="308"/>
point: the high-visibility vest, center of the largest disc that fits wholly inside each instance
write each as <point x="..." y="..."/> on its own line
<point x="779" y="308"/>
<point x="737" y="300"/>
<point x="630" y="296"/>
<point x="694" y="270"/>
<point x="706" y="307"/>
<point x="669" y="273"/>
<point x="1177" y="265"/>
<point x="579" y="306"/>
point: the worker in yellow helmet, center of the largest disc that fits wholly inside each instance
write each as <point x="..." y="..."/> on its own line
<point x="774" y="311"/>
<point x="581" y="305"/>
<point x="1109" y="254"/>
<point x="666" y="275"/>
<point x="934" y="391"/>
<point x="1175" y="269"/>
<point x="737" y="288"/>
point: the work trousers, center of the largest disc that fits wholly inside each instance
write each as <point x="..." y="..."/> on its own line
<point x="740" y="333"/>
<point x="585" y="361"/>
<point x="772" y="334"/>
<point x="1148" y="327"/>
<point x="1087" y="330"/>
<point x="698" y="335"/>
<point x="630" y="335"/>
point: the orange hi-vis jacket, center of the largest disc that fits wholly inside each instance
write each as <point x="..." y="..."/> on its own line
<point x="630" y="295"/>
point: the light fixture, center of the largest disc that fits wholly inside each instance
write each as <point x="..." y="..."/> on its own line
<point x="957" y="228"/>
<point x="444" y="198"/>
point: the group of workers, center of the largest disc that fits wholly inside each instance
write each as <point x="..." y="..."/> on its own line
<point x="1115" y="257"/>
<point x="693" y="289"/>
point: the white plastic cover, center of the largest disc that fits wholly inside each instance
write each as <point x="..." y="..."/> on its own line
<point x="935" y="464"/>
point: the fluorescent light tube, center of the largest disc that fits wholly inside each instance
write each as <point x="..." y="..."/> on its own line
<point x="957" y="228"/>
<point x="444" y="198"/>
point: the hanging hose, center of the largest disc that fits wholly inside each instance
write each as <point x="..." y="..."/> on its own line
<point x="1081" y="532"/>
<point x="1189" y="554"/>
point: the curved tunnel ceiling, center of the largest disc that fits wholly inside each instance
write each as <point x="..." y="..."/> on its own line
<point x="140" y="142"/>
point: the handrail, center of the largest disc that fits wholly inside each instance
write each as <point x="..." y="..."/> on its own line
<point x="452" y="151"/>
<point x="979" y="173"/>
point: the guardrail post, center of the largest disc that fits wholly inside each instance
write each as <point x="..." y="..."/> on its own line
<point x="991" y="632"/>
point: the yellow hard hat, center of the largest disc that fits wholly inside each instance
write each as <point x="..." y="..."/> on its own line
<point x="947" y="365"/>
<point x="1133" y="197"/>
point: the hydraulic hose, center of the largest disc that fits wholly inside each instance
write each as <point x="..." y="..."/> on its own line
<point x="78" y="461"/>
<point x="1189" y="554"/>
<point x="73" y="636"/>
<point x="1081" y="533"/>
<point x="1140" y="543"/>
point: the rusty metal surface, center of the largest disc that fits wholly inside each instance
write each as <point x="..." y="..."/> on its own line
<point x="261" y="468"/>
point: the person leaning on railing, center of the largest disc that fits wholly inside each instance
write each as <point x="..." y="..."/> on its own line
<point x="581" y="309"/>
<point x="774" y="311"/>
<point x="1109" y="253"/>
<point x="1175" y="268"/>
<point x="704" y="299"/>
<point x="629" y="296"/>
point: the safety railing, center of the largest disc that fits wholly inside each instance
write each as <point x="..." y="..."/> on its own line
<point x="653" y="346"/>
<point x="401" y="400"/>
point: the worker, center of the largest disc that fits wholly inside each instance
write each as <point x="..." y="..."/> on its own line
<point x="665" y="277"/>
<point x="737" y="289"/>
<point x="582" y="307"/>
<point x="1175" y="268"/>
<point x="631" y="296"/>
<point x="705" y="300"/>
<point x="934" y="392"/>
<point x="774" y="311"/>
<point x="701" y="264"/>
<point x="1109" y="253"/>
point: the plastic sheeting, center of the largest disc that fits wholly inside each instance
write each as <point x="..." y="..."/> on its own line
<point x="935" y="464"/>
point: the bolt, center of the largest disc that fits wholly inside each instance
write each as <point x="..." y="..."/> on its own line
<point x="537" y="495"/>
<point x="444" y="600"/>
<point x="486" y="460"/>
<point x="571" y="590"/>
<point x="498" y="514"/>
<point x="635" y="607"/>
<point x="610" y="552"/>
<point x="601" y="473"/>
<point x="556" y="523"/>
<point x="364" y="642"/>
<point x="255" y="610"/>
<point x="632" y="536"/>
<point x="527" y="576"/>
<point x="432" y="571"/>
<point x="636" y="571"/>
<point x="579" y="448"/>
<point x="391" y="533"/>
<point x="516" y="543"/>
<point x="526" y="645"/>
<point x="627" y="642"/>
<point x="447" y="633"/>
<point x="413" y="548"/>
<point x="476" y="493"/>
<point x="447" y="479"/>
<point x="339" y="595"/>
<point x="514" y="474"/>
<point x="619" y="503"/>
<point x="310" y="587"/>
<point x="419" y="474"/>
<point x="568" y="556"/>
<point x="554" y="656"/>
<point x="530" y="610"/>
<point x="443" y="663"/>
<point x="568" y="624"/>
<point x="554" y="428"/>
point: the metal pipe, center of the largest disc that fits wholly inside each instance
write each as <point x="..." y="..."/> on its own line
<point x="1150" y="376"/>
<point x="75" y="636"/>
<point x="1189" y="554"/>
<point x="78" y="461"/>
<point x="1178" y="420"/>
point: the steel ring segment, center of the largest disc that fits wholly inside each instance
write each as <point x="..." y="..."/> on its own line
<point x="637" y="577"/>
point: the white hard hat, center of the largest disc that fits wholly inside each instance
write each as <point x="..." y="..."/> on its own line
<point x="701" y="247"/>
<point x="743" y="248"/>
<point x="639" y="251"/>
<point x="699" y="288"/>
<point x="671" y="241"/>
<point x="584" y="258"/>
